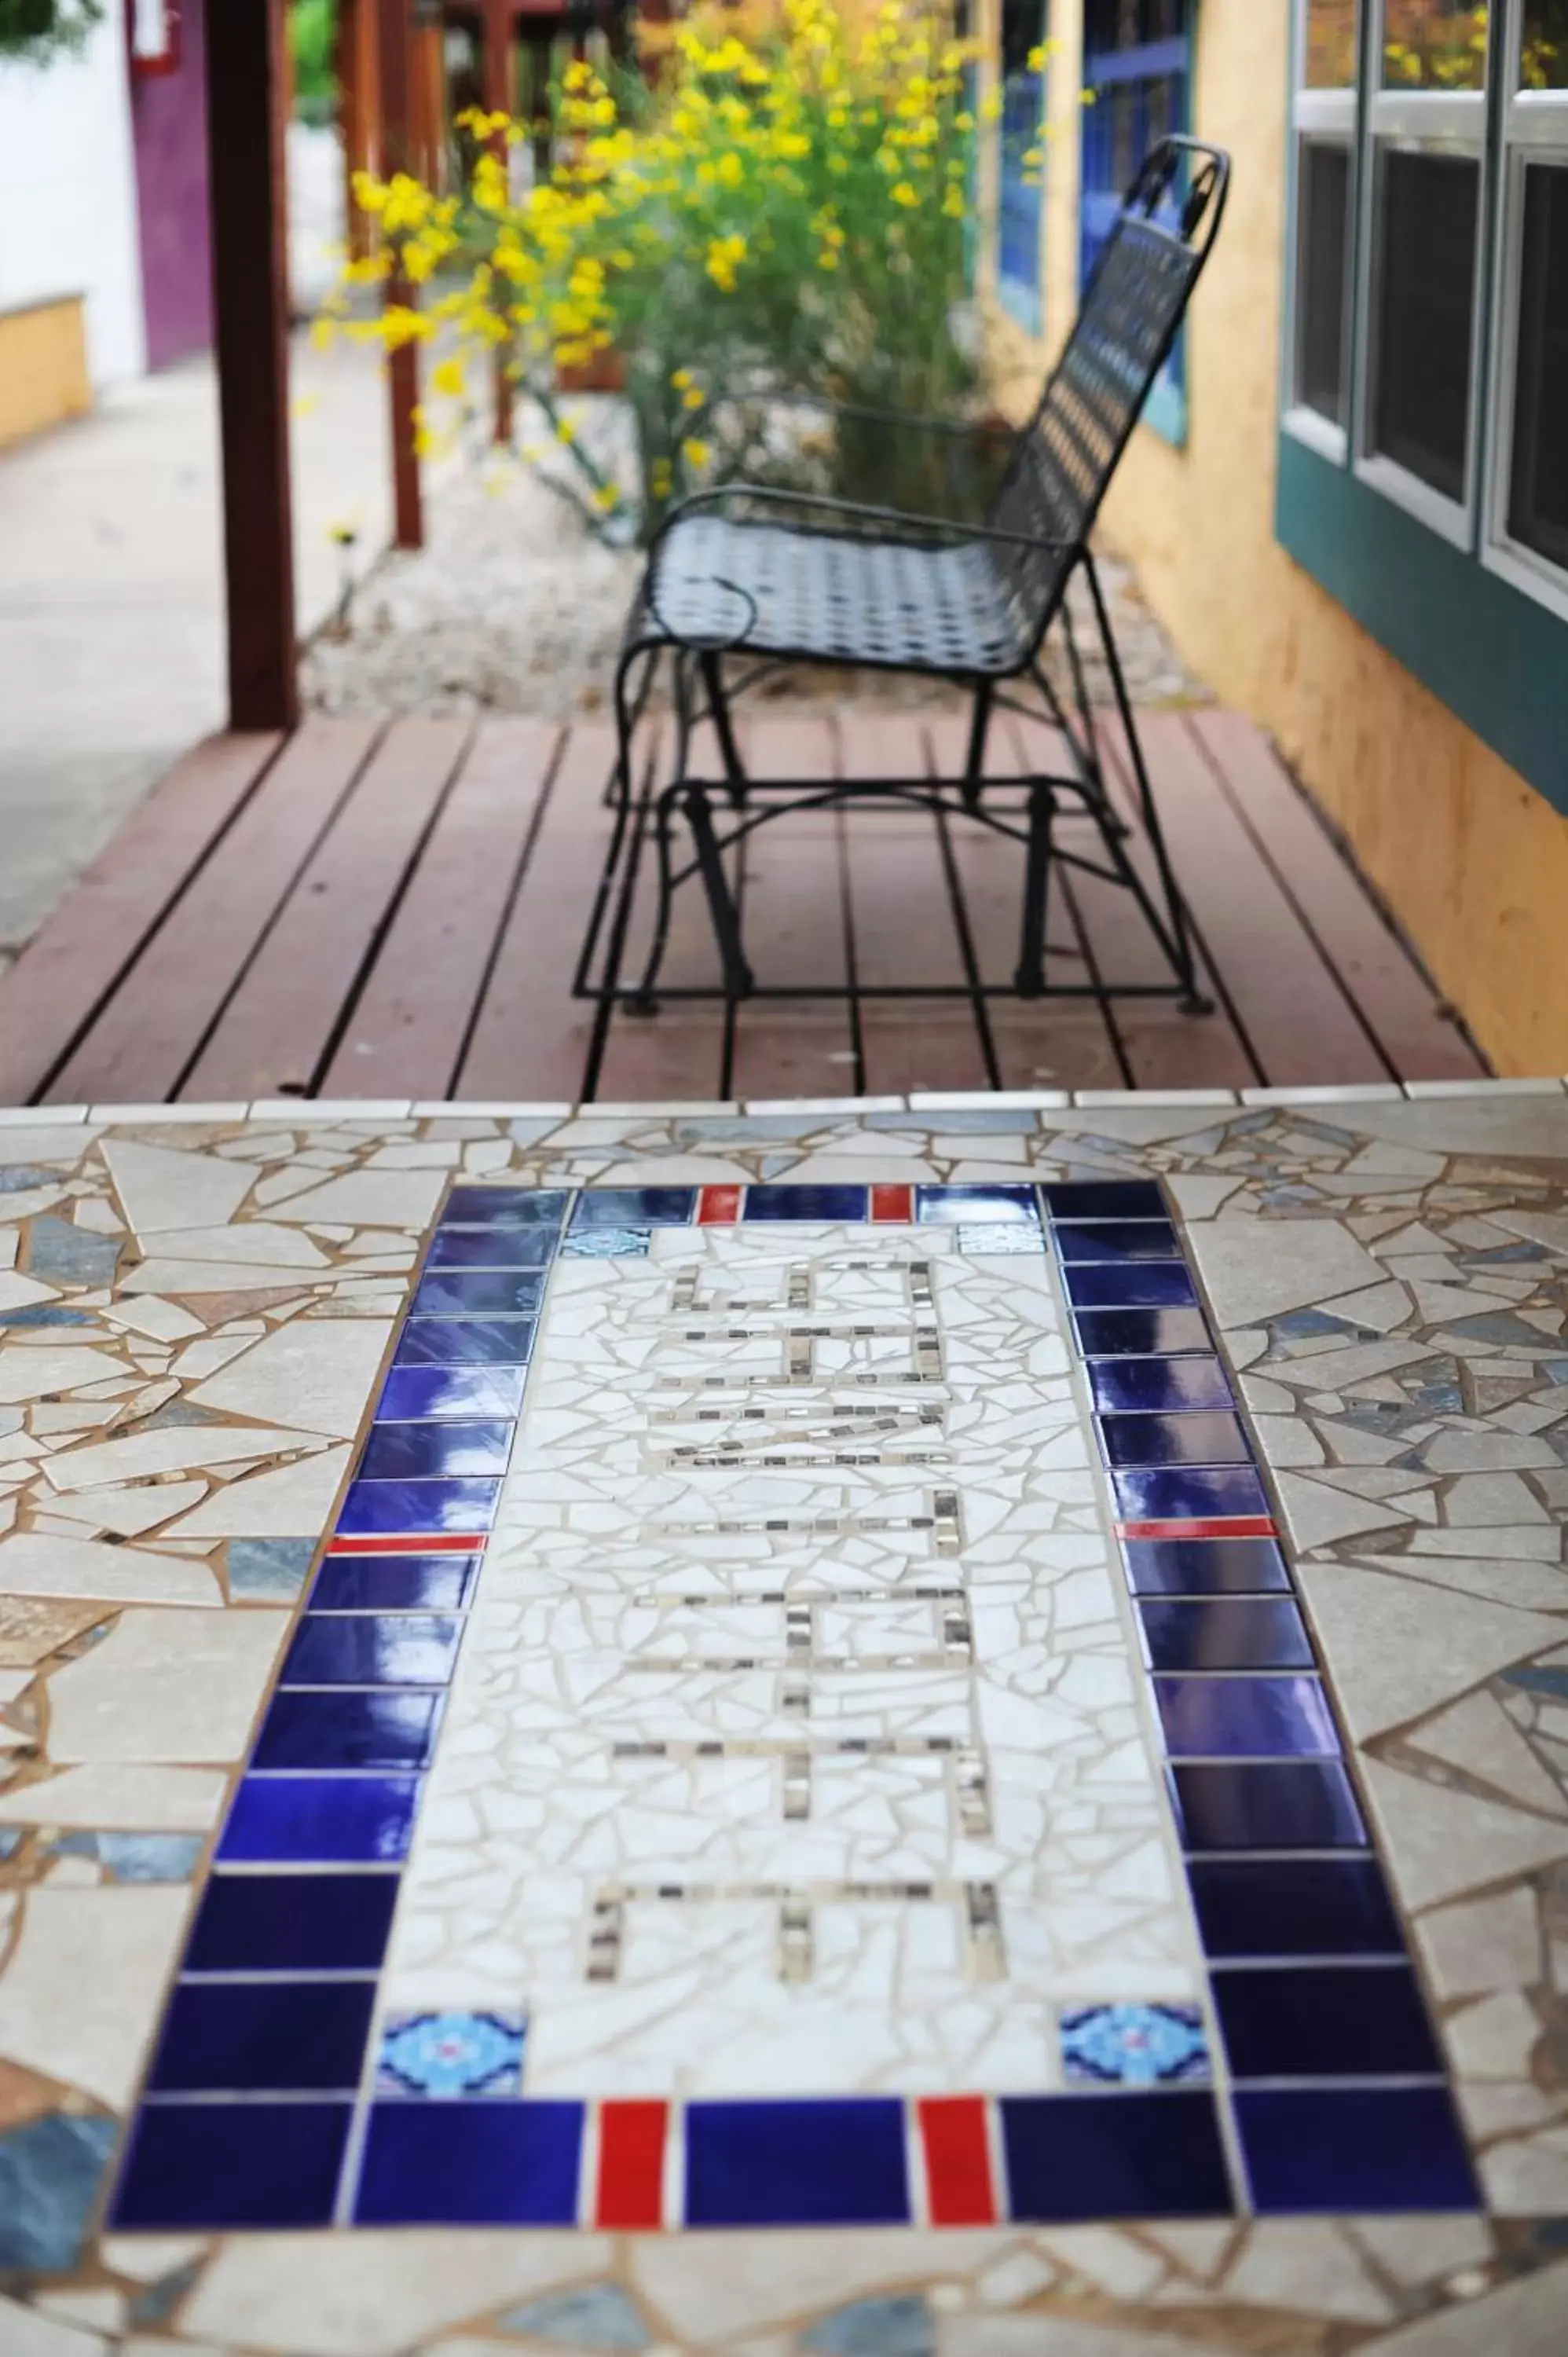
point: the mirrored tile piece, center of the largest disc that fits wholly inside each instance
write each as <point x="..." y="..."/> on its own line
<point x="291" y="1922"/>
<point x="797" y="2164"/>
<point x="1135" y="1385"/>
<point x="1294" y="1907"/>
<point x="1205" y="1437"/>
<point x="281" y="2036"/>
<point x="1204" y="1567"/>
<point x="1233" y="1632"/>
<point x="1352" y="2150"/>
<point x="1284" y="1804"/>
<point x="446" y="1449"/>
<point x="320" y="1820"/>
<point x="393" y="1583"/>
<point x="344" y="1732"/>
<point x="236" y="2166"/>
<point x="1116" y="1239"/>
<point x="370" y="1649"/>
<point x="1246" y="1717"/>
<point x="415" y="1392"/>
<point x="485" y="2164"/>
<point x="1114" y="2156"/>
<point x="1324" y="2021"/>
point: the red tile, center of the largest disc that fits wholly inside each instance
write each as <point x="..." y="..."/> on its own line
<point x="1240" y="1526"/>
<point x="425" y="1543"/>
<point x="717" y="1207"/>
<point x="958" y="2160"/>
<point x="631" y="2166"/>
<point x="893" y="1204"/>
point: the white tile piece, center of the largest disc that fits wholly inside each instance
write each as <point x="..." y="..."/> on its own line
<point x="79" y="1991"/>
<point x="989" y="1100"/>
<point x="315" y="1373"/>
<point x="660" y="1111"/>
<point x="121" y="1799"/>
<point x="291" y="1502"/>
<point x="477" y="1109"/>
<point x="33" y="1563"/>
<point x="27" y="2331"/>
<point x="1394" y="1657"/>
<point x="846" y="1107"/>
<point x="170" y="1688"/>
<point x="309" y="1112"/>
<point x="173" y="1449"/>
<point x="369" y="1199"/>
<point x="1418" y="1090"/>
<point x="1360" y="1093"/>
<point x="170" y="1115"/>
<point x="1086" y="1099"/>
<point x="164" y="1187"/>
<point x="29" y="1116"/>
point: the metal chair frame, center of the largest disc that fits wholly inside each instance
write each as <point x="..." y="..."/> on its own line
<point x="853" y="577"/>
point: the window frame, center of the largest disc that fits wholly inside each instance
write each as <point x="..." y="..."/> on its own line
<point x="1325" y="118"/>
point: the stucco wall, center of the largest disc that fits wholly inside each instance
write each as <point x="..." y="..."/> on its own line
<point x="168" y="117"/>
<point x="1472" y="861"/>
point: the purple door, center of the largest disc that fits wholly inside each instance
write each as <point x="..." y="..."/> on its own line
<point x="168" y="123"/>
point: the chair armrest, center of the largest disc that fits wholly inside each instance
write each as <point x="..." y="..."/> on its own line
<point x="897" y="523"/>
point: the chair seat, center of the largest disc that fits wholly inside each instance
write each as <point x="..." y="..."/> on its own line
<point x="829" y="596"/>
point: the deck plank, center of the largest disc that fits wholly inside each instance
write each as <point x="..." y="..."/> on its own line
<point x="408" y="1029"/>
<point x="140" y="1047"/>
<point x="1396" y="999"/>
<point x="72" y="965"/>
<point x="795" y="928"/>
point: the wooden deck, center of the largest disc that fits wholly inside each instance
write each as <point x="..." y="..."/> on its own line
<point x="395" y="911"/>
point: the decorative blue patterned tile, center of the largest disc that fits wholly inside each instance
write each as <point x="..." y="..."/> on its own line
<point x="1246" y="1718"/>
<point x="1204" y="1567"/>
<point x="1344" y="2151"/>
<point x="270" y="1568"/>
<point x="1205" y="1438"/>
<point x="818" y="1203"/>
<point x="444" y="2054"/>
<point x="347" y="1731"/>
<point x="393" y="1583"/>
<point x="1174" y="1494"/>
<point x="216" y="2165"/>
<point x="1119" y="2155"/>
<point x="1134" y="1333"/>
<point x="50" y="2173"/>
<point x="1105" y="1199"/>
<point x="599" y="2316"/>
<point x="1133" y="2045"/>
<point x="504" y="1207"/>
<point x="1168" y="1385"/>
<point x="465" y="1342"/>
<point x="292" y="1923"/>
<point x="963" y="1206"/>
<point x="830" y="2163"/>
<point x="492" y="1248"/>
<point x="1324" y="2022"/>
<point x="1118" y="1240"/>
<point x="634" y="1207"/>
<point x="320" y="1820"/>
<point x="242" y="2037"/>
<point x="1294" y="1907"/>
<point x="478" y="1292"/>
<point x="893" y="2325"/>
<point x="607" y="1243"/>
<point x="372" y="1649"/>
<point x="443" y="1450"/>
<point x="471" y="2164"/>
<point x="1146" y="1285"/>
<point x="1281" y="1804"/>
<point x="413" y="1392"/>
<point x="1227" y="1632"/>
<point x="393" y="1509"/>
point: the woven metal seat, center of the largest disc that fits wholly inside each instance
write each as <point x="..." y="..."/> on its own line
<point x="767" y="576"/>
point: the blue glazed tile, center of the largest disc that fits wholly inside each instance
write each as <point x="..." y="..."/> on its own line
<point x="273" y="1568"/>
<point x="291" y="1922"/>
<point x="1207" y="1438"/>
<point x="1134" y="1333"/>
<point x="48" y="1313"/>
<point x="599" y="2316"/>
<point x="1246" y="1718"/>
<point x="797" y="2164"/>
<point x="391" y="1509"/>
<point x="478" y="1292"/>
<point x="1133" y="2045"/>
<point x="320" y="1820"/>
<point x="1204" y="1567"/>
<point x="443" y="1450"/>
<point x="50" y="2173"/>
<point x="231" y="2165"/>
<point x="805" y="1203"/>
<point x="898" y="2324"/>
<point x="1294" y="1907"/>
<point x="634" y="1207"/>
<point x="609" y="1243"/>
<point x="504" y="1207"/>
<point x="1228" y="1632"/>
<point x="393" y="1583"/>
<point x="492" y="1248"/>
<point x="346" y="1731"/>
<point x="471" y="2164"/>
<point x="136" y="1858"/>
<point x="1274" y="1804"/>
<point x="1118" y="1240"/>
<point x="1117" y="2156"/>
<point x="1174" y="1494"/>
<point x="237" y="2038"/>
<point x="449" y="2054"/>
<point x="1140" y="1385"/>
<point x="10" y="1841"/>
<point x="1146" y="1285"/>
<point x="413" y="1392"/>
<point x="58" y="1248"/>
<point x="1324" y="2022"/>
<point x="19" y="1178"/>
<point x="465" y="1342"/>
<point x="962" y="1207"/>
<point x="372" y="1649"/>
<point x="1105" y="1199"/>
<point x="1348" y="2150"/>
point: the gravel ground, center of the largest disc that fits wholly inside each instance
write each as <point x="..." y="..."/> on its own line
<point x="513" y="606"/>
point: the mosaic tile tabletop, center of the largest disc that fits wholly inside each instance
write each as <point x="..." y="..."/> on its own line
<point x="912" y="1729"/>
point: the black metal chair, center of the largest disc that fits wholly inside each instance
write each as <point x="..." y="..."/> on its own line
<point x="776" y="577"/>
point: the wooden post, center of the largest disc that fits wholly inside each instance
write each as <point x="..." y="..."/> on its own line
<point x="249" y="284"/>
<point x="403" y="368"/>
<point x="497" y="85"/>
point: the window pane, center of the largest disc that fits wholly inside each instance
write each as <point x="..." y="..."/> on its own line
<point x="1434" y="44"/>
<point x="1545" y="59"/>
<point x="1537" y="507"/>
<point x="1426" y="274"/>
<point x="1322" y="265"/>
<point x="1330" y="44"/>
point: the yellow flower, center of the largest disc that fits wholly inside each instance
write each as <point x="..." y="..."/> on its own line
<point x="696" y="454"/>
<point x="903" y="194"/>
<point x="954" y="204"/>
<point x="722" y="255"/>
<point x="682" y="378"/>
<point x="662" y="477"/>
<point x="693" y="397"/>
<point x="446" y="377"/>
<point x="606" y="498"/>
<point x="566" y="431"/>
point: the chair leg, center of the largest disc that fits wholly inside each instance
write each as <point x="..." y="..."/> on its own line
<point x="739" y="980"/>
<point x="718" y="707"/>
<point x="1029" y="981"/>
<point x="644" y="1001"/>
<point x="1193" y="1001"/>
<point x="974" y="756"/>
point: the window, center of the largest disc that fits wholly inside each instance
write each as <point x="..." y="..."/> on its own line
<point x="1324" y="127"/>
<point x="1528" y="521"/>
<point x="1019" y="210"/>
<point x="1136" y="71"/>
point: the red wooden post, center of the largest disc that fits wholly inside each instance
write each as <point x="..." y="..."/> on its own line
<point x="397" y="108"/>
<point x="245" y="139"/>
<point x="497" y="85"/>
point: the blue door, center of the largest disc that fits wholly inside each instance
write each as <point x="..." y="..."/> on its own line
<point x="1021" y="196"/>
<point x="1137" y="69"/>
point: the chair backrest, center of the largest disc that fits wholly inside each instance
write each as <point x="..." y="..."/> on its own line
<point x="1063" y="461"/>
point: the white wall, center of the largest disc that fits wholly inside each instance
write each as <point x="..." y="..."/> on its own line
<point x="67" y="194"/>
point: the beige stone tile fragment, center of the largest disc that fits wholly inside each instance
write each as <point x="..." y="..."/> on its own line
<point x="1195" y="2244"/>
<point x="1439" y="1841"/>
<point x="1107" y="2258"/>
<point x="145" y="2257"/>
<point x="1396" y="1650"/>
<point x="710" y="2287"/>
<point x="148" y="1314"/>
<point x="1316" y="1514"/>
<point x="26" y="2096"/>
<point x="374" y="2294"/>
<point x="1009" y="2282"/>
<point x="291" y="1502"/>
<point x="1521" y="1580"/>
<point x="1483" y="1945"/>
<point x="248" y="1243"/>
<point x="173" y="1449"/>
<point x="97" y="2306"/>
<point x="141" y="2344"/>
<point x="1256" y="1269"/>
<point x="1494" y="2038"/>
<point x="167" y="1686"/>
<point x="120" y="1799"/>
<point x="1474" y="1502"/>
<point x="130" y="1512"/>
<point x="80" y="1994"/>
<point x="1309" y="2267"/>
<point x="1526" y="2179"/>
<point x="21" y="1292"/>
<point x="370" y="1199"/>
<point x="35" y="1563"/>
<point x="97" y="1216"/>
<point x="161" y="1187"/>
<point x="314" y="1373"/>
<point x="1288" y="1441"/>
<point x="1060" y="2336"/>
<point x="1424" y="2250"/>
<point x="31" y="1372"/>
<point x="29" y="1630"/>
<point x="1494" y="2108"/>
<point x="29" y="2332"/>
<point x="1477" y="1736"/>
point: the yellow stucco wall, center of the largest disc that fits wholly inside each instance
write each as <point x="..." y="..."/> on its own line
<point x="1471" y="860"/>
<point x="43" y="367"/>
